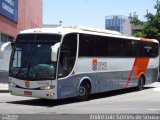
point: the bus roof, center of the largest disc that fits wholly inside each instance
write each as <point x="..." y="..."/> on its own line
<point x="68" y="29"/>
<point x="82" y="29"/>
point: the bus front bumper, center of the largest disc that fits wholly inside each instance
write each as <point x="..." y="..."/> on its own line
<point x="47" y="94"/>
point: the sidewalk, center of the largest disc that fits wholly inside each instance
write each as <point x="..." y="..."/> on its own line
<point x="3" y="87"/>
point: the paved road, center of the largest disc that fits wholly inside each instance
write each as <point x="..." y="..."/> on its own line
<point x="127" y="101"/>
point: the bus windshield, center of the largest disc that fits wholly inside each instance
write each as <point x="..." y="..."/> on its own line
<point x="31" y="57"/>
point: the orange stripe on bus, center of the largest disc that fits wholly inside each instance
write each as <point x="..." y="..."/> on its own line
<point x="147" y="40"/>
<point x="139" y="67"/>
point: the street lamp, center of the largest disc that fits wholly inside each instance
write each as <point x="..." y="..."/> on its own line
<point x="60" y="22"/>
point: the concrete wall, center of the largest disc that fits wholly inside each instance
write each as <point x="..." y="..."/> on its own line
<point x="127" y="27"/>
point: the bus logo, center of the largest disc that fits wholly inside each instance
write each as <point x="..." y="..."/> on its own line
<point x="94" y="64"/>
<point x="27" y="84"/>
<point x="99" y="65"/>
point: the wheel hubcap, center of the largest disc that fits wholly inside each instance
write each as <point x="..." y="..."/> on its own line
<point x="82" y="91"/>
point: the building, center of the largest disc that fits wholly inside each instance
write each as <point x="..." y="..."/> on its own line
<point x="136" y="28"/>
<point x="115" y="22"/>
<point x="51" y="25"/>
<point x="121" y="24"/>
<point x="127" y="27"/>
<point x="130" y="29"/>
<point x="17" y="15"/>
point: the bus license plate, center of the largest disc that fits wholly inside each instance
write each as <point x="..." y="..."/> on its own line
<point x="27" y="93"/>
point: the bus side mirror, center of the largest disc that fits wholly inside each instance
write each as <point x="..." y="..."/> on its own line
<point x="54" y="52"/>
<point x="3" y="48"/>
<point x="12" y="45"/>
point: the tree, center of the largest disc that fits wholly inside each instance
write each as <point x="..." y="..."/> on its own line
<point x="151" y="28"/>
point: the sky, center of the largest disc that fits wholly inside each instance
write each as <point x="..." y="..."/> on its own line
<point x="92" y="12"/>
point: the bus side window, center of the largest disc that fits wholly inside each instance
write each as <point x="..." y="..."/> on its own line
<point x="67" y="55"/>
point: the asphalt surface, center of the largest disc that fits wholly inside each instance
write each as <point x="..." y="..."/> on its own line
<point x="128" y="101"/>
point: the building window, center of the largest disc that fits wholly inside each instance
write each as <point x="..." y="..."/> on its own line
<point x="6" y="38"/>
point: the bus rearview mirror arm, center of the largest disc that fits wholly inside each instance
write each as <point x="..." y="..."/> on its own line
<point x="55" y="51"/>
<point x="3" y="48"/>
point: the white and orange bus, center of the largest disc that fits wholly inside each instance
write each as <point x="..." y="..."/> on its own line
<point x="63" y="62"/>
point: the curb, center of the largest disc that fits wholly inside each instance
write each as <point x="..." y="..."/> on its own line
<point x="4" y="91"/>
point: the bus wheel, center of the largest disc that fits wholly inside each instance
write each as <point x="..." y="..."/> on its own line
<point x="84" y="91"/>
<point x="141" y="83"/>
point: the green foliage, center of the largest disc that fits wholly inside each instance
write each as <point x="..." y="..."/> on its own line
<point x="151" y="28"/>
<point x="139" y="34"/>
<point x="136" y="21"/>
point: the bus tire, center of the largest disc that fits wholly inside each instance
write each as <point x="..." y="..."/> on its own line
<point x="141" y="82"/>
<point x="84" y="91"/>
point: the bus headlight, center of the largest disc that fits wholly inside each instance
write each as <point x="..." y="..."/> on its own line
<point x="12" y="84"/>
<point x="48" y="87"/>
